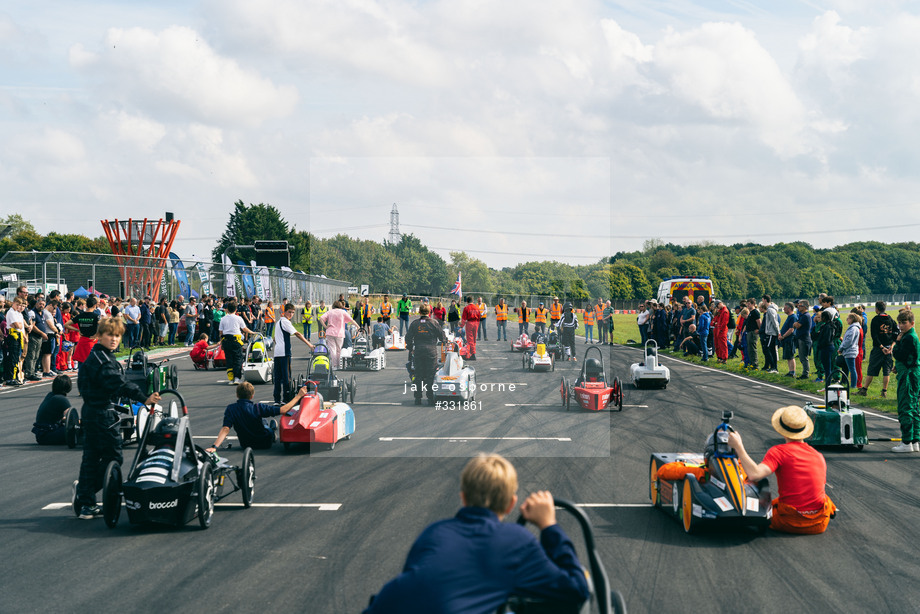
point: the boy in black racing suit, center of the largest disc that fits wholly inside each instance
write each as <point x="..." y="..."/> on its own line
<point x="101" y="382"/>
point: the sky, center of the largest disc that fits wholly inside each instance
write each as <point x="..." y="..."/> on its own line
<point x="512" y="130"/>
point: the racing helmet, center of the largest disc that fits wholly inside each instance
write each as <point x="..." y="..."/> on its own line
<point x="257" y="356"/>
<point x="320" y="349"/>
<point x="164" y="433"/>
<point x="138" y="361"/>
<point x="593" y="368"/>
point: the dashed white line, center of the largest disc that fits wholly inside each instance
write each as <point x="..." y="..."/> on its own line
<point x="322" y="507"/>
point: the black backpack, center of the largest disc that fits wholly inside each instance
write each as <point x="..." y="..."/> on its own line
<point x="731" y="320"/>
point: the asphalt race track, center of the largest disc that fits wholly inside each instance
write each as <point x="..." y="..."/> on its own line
<point x="330" y="527"/>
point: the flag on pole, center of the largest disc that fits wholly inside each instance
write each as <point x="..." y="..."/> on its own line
<point x="457" y="289"/>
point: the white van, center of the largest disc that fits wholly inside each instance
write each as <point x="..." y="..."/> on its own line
<point x="676" y="288"/>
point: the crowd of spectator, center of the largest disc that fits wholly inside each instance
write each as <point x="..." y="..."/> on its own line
<point x="829" y="346"/>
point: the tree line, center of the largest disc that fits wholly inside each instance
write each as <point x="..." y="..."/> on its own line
<point x="740" y="270"/>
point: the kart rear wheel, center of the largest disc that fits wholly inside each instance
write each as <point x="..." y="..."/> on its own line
<point x="653" y="482"/>
<point x="111" y="495"/>
<point x="686" y="503"/>
<point x="563" y="392"/>
<point x="618" y="393"/>
<point x="205" y="496"/>
<point x="552" y="363"/>
<point x="352" y="387"/>
<point x="71" y="424"/>
<point x="248" y="477"/>
<point x="173" y="377"/>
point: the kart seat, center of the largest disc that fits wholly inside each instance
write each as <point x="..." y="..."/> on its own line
<point x="257" y="356"/>
<point x="320" y="367"/>
<point x="594" y="372"/>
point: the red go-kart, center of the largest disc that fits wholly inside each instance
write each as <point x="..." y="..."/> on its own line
<point x="590" y="390"/>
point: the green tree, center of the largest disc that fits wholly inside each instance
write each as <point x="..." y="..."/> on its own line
<point x="250" y="223"/>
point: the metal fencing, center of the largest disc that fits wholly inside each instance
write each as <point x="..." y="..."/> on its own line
<point x="103" y="273"/>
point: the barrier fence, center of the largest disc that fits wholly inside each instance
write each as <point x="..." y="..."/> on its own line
<point x="102" y="273"/>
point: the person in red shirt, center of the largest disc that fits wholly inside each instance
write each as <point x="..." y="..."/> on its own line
<point x="801" y="473"/>
<point x="470" y="319"/>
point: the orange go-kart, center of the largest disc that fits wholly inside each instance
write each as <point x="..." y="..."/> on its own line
<point x="591" y="390"/>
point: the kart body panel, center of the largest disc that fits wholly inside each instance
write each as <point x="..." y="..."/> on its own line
<point x="317" y="421"/>
<point x="360" y="357"/>
<point x="722" y="497"/>
<point x="453" y="379"/>
<point x="258" y="366"/>
<point x="538" y="358"/>
<point x="650" y="374"/>
<point x="522" y="343"/>
<point x="836" y="423"/>
<point x="394" y="342"/>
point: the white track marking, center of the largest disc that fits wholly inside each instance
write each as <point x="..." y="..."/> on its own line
<point x="212" y="437"/>
<point x="371" y="403"/>
<point x="614" y="505"/>
<point x="323" y="507"/>
<point x="457" y="439"/>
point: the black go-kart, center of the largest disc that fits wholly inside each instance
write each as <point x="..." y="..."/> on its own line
<point x="324" y="379"/>
<point x="148" y="375"/>
<point x="709" y="488"/>
<point x="554" y="345"/>
<point x="603" y="600"/>
<point x="171" y="480"/>
<point x="130" y="423"/>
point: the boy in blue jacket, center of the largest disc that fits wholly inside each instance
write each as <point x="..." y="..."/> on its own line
<point x="473" y="562"/>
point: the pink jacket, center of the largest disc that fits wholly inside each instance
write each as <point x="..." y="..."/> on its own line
<point x="335" y="320"/>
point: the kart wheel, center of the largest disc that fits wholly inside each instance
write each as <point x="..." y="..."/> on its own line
<point x="653" y="482"/>
<point x="617" y="602"/>
<point x="71" y="423"/>
<point x="173" y="377"/>
<point x="563" y="392"/>
<point x="352" y="388"/>
<point x="332" y="446"/>
<point x="686" y="503"/>
<point x="111" y="494"/>
<point x="205" y="496"/>
<point x="248" y="478"/>
<point x="618" y="393"/>
<point x="552" y="363"/>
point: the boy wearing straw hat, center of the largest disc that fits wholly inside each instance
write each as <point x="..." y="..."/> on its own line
<point x="801" y="472"/>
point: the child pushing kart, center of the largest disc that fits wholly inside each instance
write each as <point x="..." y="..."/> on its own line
<point x="101" y="382"/>
<point x="250" y="420"/>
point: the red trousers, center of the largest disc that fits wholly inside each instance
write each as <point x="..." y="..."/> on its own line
<point x="720" y="340"/>
<point x="472" y="327"/>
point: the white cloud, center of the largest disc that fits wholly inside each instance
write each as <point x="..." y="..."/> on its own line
<point x="142" y="132"/>
<point x="175" y="73"/>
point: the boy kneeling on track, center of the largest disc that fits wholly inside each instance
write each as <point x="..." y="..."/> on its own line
<point x="101" y="382"/>
<point x="250" y="420"/>
<point x="801" y="473"/>
<point x="49" y="421"/>
<point x="473" y="562"/>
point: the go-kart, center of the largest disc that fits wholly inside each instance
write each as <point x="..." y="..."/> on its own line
<point x="394" y="341"/>
<point x="538" y="358"/>
<point x="608" y="601"/>
<point x="258" y="366"/>
<point x="649" y="373"/>
<point x="590" y="390"/>
<point x="554" y="345"/>
<point x="360" y="356"/>
<point x="150" y="376"/>
<point x="453" y="378"/>
<point x="836" y="423"/>
<point x="522" y="343"/>
<point x="322" y="374"/>
<point x="130" y="424"/>
<point x="317" y="421"/>
<point x="710" y="488"/>
<point x="171" y="480"/>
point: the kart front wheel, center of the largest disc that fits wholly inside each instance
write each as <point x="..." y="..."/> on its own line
<point x="248" y="477"/>
<point x="71" y="423"/>
<point x="111" y="495"/>
<point x="352" y="387"/>
<point x="618" y="393"/>
<point x="205" y="496"/>
<point x="653" y="482"/>
<point x="686" y="502"/>
<point x="173" y="377"/>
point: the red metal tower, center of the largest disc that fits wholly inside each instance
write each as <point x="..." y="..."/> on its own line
<point x="142" y="248"/>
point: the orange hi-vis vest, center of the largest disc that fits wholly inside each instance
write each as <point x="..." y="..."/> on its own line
<point x="385" y="309"/>
<point x="589" y="317"/>
<point x="555" y="311"/>
<point x="540" y="315"/>
<point x="483" y="310"/>
<point x="522" y="315"/>
<point x="269" y="316"/>
<point x="366" y="310"/>
<point x="501" y="312"/>
<point x="598" y="312"/>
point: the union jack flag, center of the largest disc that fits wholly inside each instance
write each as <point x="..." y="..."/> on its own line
<point x="457" y="289"/>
